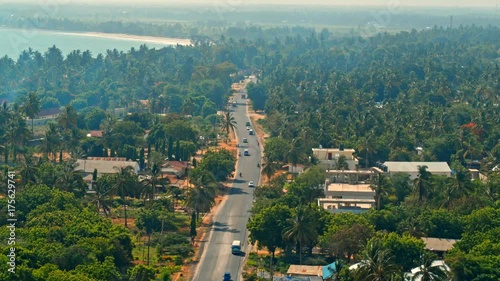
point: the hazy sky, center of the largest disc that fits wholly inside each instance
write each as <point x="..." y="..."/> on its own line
<point x="391" y="3"/>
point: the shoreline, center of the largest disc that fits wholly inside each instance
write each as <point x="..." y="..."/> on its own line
<point x="116" y="36"/>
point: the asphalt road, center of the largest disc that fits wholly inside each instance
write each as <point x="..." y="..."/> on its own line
<point x="232" y="215"/>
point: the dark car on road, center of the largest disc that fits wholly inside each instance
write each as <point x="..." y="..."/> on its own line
<point x="227" y="276"/>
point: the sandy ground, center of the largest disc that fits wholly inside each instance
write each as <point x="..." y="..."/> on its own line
<point x="121" y="36"/>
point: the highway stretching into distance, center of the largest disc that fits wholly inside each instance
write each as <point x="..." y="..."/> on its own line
<point x="231" y="217"/>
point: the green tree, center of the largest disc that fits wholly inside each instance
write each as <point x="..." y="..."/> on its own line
<point x="148" y="220"/>
<point x="377" y="264"/>
<point x="422" y="182"/>
<point x="267" y="227"/>
<point x="428" y="270"/>
<point x="220" y="163"/>
<point x="31" y="107"/>
<point x="192" y="228"/>
<point x="123" y="181"/>
<point x="302" y="229"/>
<point x="141" y="273"/>
<point x="380" y="184"/>
<point x="153" y="180"/>
<point x="228" y="123"/>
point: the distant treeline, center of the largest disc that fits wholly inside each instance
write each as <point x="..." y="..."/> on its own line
<point x="247" y="22"/>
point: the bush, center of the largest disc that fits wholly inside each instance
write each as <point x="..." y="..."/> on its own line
<point x="182" y="250"/>
<point x="165" y="275"/>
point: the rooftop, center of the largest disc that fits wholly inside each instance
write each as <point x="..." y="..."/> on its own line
<point x="308" y="270"/>
<point x="438" y="244"/>
<point x="103" y="165"/>
<point x="48" y="112"/>
<point x="333" y="149"/>
<point x="96" y="133"/>
<point x="345" y="187"/>
<point x="351" y="172"/>
<point x="411" y="167"/>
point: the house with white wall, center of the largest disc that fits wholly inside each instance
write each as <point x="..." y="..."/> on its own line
<point x="348" y="191"/>
<point x="328" y="157"/>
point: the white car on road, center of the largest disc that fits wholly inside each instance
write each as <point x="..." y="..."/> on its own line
<point x="251" y="184"/>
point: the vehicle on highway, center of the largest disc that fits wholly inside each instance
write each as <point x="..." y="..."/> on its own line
<point x="245" y="140"/>
<point x="251" y="184"/>
<point x="234" y="104"/>
<point x="227" y="276"/>
<point x="236" y="247"/>
<point x="247" y="123"/>
<point x="246" y="153"/>
<point x="248" y="128"/>
<point x="250" y="132"/>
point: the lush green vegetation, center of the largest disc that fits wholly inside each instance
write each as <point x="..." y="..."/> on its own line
<point x="384" y="96"/>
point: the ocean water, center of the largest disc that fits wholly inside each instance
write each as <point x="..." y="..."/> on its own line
<point x="14" y="41"/>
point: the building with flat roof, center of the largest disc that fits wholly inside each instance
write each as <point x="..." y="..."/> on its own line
<point x="328" y="157"/>
<point x="411" y="168"/>
<point x="348" y="191"/>
<point x="439" y="245"/>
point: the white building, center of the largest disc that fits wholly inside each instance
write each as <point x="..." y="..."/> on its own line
<point x="348" y="191"/>
<point x="411" y="168"/>
<point x="328" y="157"/>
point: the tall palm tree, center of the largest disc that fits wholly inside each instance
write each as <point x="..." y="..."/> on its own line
<point x="302" y="229"/>
<point x="201" y="197"/>
<point x="269" y="168"/>
<point x="123" y="182"/>
<point x="295" y="155"/>
<point x="16" y="135"/>
<point x="152" y="181"/>
<point x="69" y="179"/>
<point x="377" y="264"/>
<point x="429" y="270"/>
<point x="380" y="185"/>
<point x="68" y="117"/>
<point x="31" y="107"/>
<point x="228" y="123"/>
<point x="29" y="169"/>
<point x="102" y="194"/>
<point x="51" y="141"/>
<point x="422" y="182"/>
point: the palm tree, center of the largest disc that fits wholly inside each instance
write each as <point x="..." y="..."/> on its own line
<point x="228" y="123"/>
<point x="16" y="135"/>
<point x="51" y="141"/>
<point x="377" y="264"/>
<point x="201" y="197"/>
<point x="32" y="107"/>
<point x="295" y="155"/>
<point x="380" y="186"/>
<point x="68" y="179"/>
<point x="302" y="229"/>
<point x="68" y="117"/>
<point x="102" y="193"/>
<point x="269" y="168"/>
<point x="29" y="169"/>
<point x="153" y="180"/>
<point x="422" y="182"/>
<point x="429" y="270"/>
<point x="341" y="163"/>
<point x="123" y="182"/>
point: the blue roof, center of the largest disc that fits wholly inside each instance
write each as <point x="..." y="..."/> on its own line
<point x="329" y="270"/>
